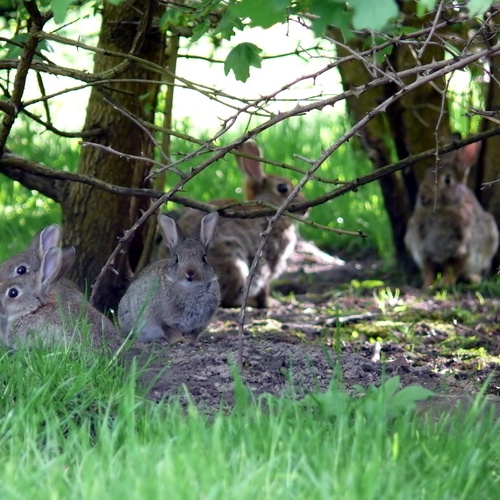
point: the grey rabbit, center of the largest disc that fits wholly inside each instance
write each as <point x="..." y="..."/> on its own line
<point x="174" y="298"/>
<point x="237" y="240"/>
<point x="449" y="232"/>
<point x="31" y="313"/>
<point x="26" y="265"/>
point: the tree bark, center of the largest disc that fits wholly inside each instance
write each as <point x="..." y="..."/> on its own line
<point x="488" y="166"/>
<point x="94" y="220"/>
<point x="407" y="128"/>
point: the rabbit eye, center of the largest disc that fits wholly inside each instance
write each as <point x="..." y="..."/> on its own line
<point x="21" y="270"/>
<point x="282" y="188"/>
<point x="204" y="258"/>
<point x="447" y="179"/>
<point x="12" y="293"/>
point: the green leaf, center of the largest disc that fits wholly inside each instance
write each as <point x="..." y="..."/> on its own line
<point x="479" y="7"/>
<point x="330" y="13"/>
<point x="407" y="397"/>
<point x="372" y="15"/>
<point x="390" y="386"/>
<point x="59" y="9"/>
<point x="327" y="14"/>
<point x="332" y="403"/>
<point x="200" y="30"/>
<point x="264" y="13"/>
<point x="172" y="17"/>
<point x="241" y="58"/>
<point x="14" y="51"/>
<point x="228" y="24"/>
<point x="424" y="6"/>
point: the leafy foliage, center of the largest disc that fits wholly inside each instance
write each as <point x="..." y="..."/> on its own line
<point x="241" y="58"/>
<point x="356" y="14"/>
<point x="59" y="9"/>
<point x="263" y="13"/>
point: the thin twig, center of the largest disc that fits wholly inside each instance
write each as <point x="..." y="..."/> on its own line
<point x="432" y="31"/>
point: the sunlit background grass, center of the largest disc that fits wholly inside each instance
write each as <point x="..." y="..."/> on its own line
<point x="23" y="212"/>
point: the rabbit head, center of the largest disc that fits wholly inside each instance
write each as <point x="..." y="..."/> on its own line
<point x="260" y="186"/>
<point x="443" y="188"/>
<point x="30" y="312"/>
<point x="189" y="261"/>
<point x="447" y="184"/>
<point x="19" y="299"/>
<point x="174" y="298"/>
<point x="29" y="262"/>
<point x="461" y="160"/>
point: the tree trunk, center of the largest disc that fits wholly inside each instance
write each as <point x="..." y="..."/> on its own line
<point x="488" y="166"/>
<point x="93" y="220"/>
<point x="406" y="128"/>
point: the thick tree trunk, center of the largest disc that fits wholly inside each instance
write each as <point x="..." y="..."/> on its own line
<point x="488" y="168"/>
<point x="407" y="128"/>
<point x="94" y="220"/>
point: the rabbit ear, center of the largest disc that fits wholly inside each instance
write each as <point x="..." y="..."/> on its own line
<point x="50" y="237"/>
<point x="250" y="167"/>
<point x="208" y="226"/>
<point x="51" y="267"/>
<point x="170" y="231"/>
<point x="68" y="257"/>
<point x="468" y="155"/>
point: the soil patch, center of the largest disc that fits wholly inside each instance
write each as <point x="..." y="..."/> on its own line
<point x="343" y="318"/>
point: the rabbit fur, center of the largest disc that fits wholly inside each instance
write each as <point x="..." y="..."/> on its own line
<point x="449" y="232"/>
<point x="237" y="240"/>
<point x="174" y="298"/>
<point x="26" y="265"/>
<point x="31" y="313"/>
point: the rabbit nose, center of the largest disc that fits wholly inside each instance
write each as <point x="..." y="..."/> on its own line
<point x="190" y="274"/>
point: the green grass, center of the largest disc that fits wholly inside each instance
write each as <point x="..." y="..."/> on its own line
<point x="22" y="211"/>
<point x="74" y="426"/>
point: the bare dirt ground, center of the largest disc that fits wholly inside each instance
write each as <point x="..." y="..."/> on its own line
<point x="333" y="318"/>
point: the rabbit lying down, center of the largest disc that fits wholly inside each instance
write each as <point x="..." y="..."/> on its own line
<point x="449" y="232"/>
<point x="32" y="311"/>
<point x="174" y="298"/>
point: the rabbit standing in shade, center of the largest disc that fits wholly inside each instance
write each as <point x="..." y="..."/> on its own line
<point x="26" y="265"/>
<point x="174" y="298"/>
<point x="449" y="231"/>
<point x="237" y="240"/>
<point x="32" y="313"/>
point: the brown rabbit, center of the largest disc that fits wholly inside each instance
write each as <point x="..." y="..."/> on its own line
<point x="449" y="232"/>
<point x="26" y="265"/>
<point x="29" y="314"/>
<point x="237" y="240"/>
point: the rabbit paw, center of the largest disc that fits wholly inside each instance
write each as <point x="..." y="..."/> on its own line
<point x="150" y="332"/>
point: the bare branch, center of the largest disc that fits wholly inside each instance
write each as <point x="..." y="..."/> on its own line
<point x="24" y="64"/>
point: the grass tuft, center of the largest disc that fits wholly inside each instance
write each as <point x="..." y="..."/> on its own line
<point x="74" y="425"/>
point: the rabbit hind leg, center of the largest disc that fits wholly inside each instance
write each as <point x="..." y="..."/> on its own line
<point x="453" y="271"/>
<point x="429" y="273"/>
<point x="262" y="298"/>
